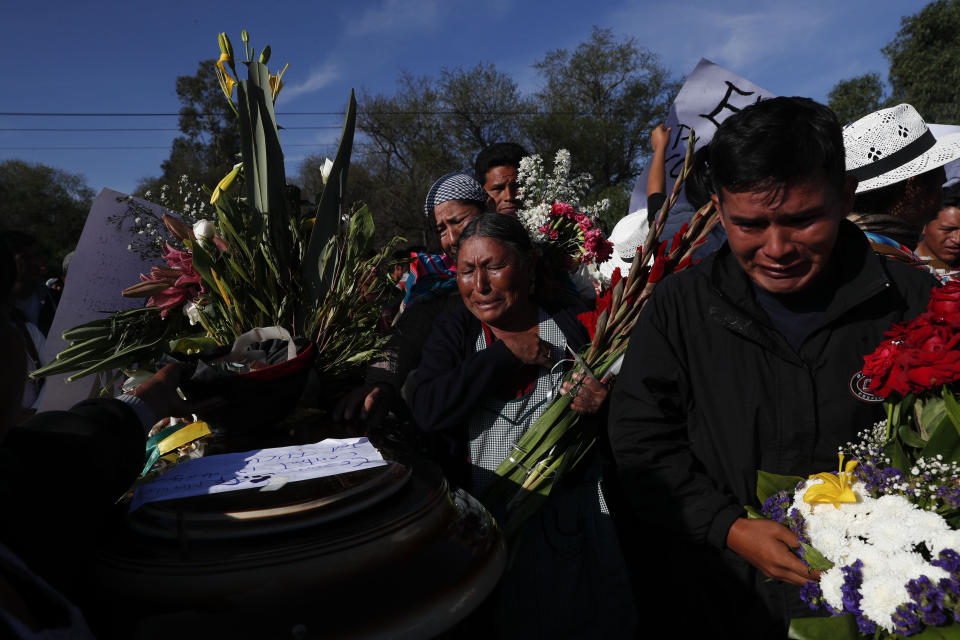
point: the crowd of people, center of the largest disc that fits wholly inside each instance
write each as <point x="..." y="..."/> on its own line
<point x="748" y="360"/>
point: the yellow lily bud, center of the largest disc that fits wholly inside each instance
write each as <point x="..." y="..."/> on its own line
<point x="226" y="81"/>
<point x="265" y="55"/>
<point x="225" y="47"/>
<point x="836" y="489"/>
<point x="225" y="183"/>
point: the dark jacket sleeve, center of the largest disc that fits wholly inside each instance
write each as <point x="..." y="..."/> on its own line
<point x="404" y="346"/>
<point x="450" y="381"/>
<point x="663" y="481"/>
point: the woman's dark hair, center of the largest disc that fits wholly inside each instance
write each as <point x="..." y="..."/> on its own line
<point x="699" y="185"/>
<point x="505" y="229"/>
<point x="774" y="141"/>
<point x="501" y="154"/>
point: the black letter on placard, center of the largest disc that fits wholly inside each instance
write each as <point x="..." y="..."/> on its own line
<point x="724" y="104"/>
<point x="676" y="141"/>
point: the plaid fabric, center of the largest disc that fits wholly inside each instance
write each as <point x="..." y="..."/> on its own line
<point x="498" y="424"/>
<point x="454" y="186"/>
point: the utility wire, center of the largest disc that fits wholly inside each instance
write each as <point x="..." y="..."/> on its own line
<point x="80" y="129"/>
<point x="291" y="113"/>
<point x="132" y="148"/>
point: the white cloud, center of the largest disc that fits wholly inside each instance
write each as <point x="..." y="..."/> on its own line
<point x="397" y="16"/>
<point x="318" y="79"/>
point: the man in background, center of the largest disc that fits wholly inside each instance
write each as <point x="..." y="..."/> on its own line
<point x="497" y="168"/>
<point x="940" y="243"/>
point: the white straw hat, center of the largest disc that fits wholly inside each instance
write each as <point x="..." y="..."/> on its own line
<point x="891" y="145"/>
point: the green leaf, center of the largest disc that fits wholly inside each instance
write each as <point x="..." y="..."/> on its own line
<point x="950" y="632"/>
<point x="932" y="414"/>
<point x="753" y="513"/>
<point x="945" y="442"/>
<point x="953" y="408"/>
<point x="329" y="209"/>
<point x="836" y="628"/>
<point x="910" y="437"/>
<point x="814" y="558"/>
<point x="770" y="483"/>
<point x="898" y="458"/>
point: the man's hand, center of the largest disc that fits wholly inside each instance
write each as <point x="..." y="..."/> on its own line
<point x="367" y="404"/>
<point x="766" y="545"/>
<point x="590" y="393"/>
<point x="529" y="348"/>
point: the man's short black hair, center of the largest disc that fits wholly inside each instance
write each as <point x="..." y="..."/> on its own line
<point x="775" y="141"/>
<point x="501" y="154"/>
<point x="951" y="196"/>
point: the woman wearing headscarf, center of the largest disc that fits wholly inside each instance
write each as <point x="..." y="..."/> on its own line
<point x="486" y="375"/>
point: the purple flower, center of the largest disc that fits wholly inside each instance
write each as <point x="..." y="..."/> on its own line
<point x="810" y="593"/>
<point x="775" y="507"/>
<point x="906" y="621"/>
<point x="948" y="560"/>
<point x="852" y="580"/>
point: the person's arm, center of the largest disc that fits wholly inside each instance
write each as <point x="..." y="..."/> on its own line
<point x="448" y="384"/>
<point x="667" y="486"/>
<point x="657" y="179"/>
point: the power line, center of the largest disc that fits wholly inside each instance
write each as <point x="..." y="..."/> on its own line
<point x="119" y="148"/>
<point x="291" y="113"/>
<point x="81" y="129"/>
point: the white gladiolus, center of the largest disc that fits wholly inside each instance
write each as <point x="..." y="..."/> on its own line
<point x="192" y="311"/>
<point x="326" y="169"/>
<point x="204" y="229"/>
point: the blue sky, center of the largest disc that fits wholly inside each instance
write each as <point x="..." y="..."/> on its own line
<point x="124" y="57"/>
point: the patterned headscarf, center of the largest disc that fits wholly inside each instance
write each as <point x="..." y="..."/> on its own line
<point x="454" y="186"/>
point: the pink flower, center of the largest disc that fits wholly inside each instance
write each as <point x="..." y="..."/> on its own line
<point x="561" y="209"/>
<point x="171" y="286"/>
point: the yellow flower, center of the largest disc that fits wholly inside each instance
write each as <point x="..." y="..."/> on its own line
<point x="225" y="183"/>
<point x="226" y="82"/>
<point x="275" y="82"/>
<point x="223" y="291"/>
<point x="836" y="489"/>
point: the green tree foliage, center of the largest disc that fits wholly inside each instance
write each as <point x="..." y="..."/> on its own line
<point x="210" y="143"/>
<point x="925" y="62"/>
<point x="853" y="98"/>
<point x="600" y="101"/>
<point x="429" y="127"/>
<point x="48" y="203"/>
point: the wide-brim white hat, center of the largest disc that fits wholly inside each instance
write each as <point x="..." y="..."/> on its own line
<point x="891" y="145"/>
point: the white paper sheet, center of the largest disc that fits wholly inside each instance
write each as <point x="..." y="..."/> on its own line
<point x="258" y="469"/>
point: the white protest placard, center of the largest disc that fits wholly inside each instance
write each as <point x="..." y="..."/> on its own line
<point x="709" y="96"/>
<point x="259" y="469"/>
<point x="100" y="269"/>
<point x="952" y="168"/>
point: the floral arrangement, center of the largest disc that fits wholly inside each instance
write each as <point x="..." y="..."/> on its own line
<point x="261" y="261"/>
<point x="556" y="441"/>
<point x="553" y="214"/>
<point x="883" y="529"/>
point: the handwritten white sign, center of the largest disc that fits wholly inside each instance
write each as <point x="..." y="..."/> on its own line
<point x="100" y="269"/>
<point x="258" y="469"/>
<point x="710" y="95"/>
